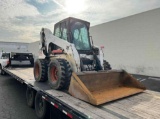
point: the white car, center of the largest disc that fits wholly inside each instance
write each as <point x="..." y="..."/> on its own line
<point x="15" y="59"/>
<point x="4" y="61"/>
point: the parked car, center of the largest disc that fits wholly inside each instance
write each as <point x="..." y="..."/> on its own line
<point x="4" y="62"/>
<point x="15" y="59"/>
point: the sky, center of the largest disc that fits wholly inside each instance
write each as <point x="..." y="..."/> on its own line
<point x="22" y="20"/>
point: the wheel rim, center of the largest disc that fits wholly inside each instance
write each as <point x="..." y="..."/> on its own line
<point x="37" y="70"/>
<point x="54" y="73"/>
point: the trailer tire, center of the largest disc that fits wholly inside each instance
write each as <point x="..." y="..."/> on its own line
<point x="59" y="74"/>
<point x="30" y="96"/>
<point x="40" y="70"/>
<point x="106" y="65"/>
<point x="2" y="72"/>
<point x="41" y="106"/>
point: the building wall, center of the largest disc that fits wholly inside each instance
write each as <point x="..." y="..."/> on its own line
<point x="13" y="47"/>
<point x="34" y="48"/>
<point x="131" y="43"/>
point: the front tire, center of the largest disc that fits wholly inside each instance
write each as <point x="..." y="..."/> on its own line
<point x="40" y="70"/>
<point x="59" y="74"/>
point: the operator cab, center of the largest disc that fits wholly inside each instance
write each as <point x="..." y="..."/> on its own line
<point x="75" y="31"/>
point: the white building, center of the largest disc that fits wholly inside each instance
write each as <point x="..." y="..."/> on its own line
<point x="19" y="47"/>
<point x="131" y="43"/>
<point x="13" y="47"/>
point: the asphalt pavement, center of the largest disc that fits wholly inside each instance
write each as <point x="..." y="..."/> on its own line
<point x="151" y="83"/>
<point x="13" y="100"/>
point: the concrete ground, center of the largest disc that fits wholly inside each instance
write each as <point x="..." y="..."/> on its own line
<point x="13" y="101"/>
<point x="151" y="83"/>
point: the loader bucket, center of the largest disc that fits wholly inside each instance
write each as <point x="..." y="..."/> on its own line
<point x="101" y="87"/>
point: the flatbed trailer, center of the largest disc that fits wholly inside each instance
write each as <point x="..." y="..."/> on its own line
<point x="139" y="106"/>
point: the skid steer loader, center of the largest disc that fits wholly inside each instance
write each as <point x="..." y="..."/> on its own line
<point x="73" y="63"/>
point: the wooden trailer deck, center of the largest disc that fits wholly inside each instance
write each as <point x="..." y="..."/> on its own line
<point x="140" y="106"/>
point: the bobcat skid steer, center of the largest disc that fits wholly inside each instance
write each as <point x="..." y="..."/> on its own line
<point x="74" y="64"/>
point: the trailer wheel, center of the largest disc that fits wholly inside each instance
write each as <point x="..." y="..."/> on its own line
<point x="41" y="106"/>
<point x="2" y="72"/>
<point x="30" y="96"/>
<point x="59" y="74"/>
<point x="40" y="70"/>
<point x="106" y="65"/>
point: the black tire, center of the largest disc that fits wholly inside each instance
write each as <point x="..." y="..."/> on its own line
<point x="2" y="72"/>
<point x="40" y="70"/>
<point x="59" y="74"/>
<point x="30" y="96"/>
<point x="41" y="106"/>
<point x="68" y="75"/>
<point x="106" y="65"/>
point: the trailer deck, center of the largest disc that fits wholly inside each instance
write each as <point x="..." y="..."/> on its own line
<point x="139" y="106"/>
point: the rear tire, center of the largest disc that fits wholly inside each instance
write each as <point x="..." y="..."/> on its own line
<point x="59" y="74"/>
<point x="106" y="65"/>
<point x="41" y="106"/>
<point x="40" y="70"/>
<point x="30" y="96"/>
